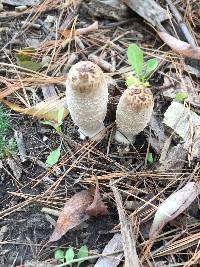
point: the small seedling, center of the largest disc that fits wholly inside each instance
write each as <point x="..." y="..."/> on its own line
<point x="56" y="124"/>
<point x="53" y="157"/>
<point x="141" y="69"/>
<point x="7" y="147"/>
<point x="181" y="96"/>
<point x="82" y="254"/>
<point x="59" y="255"/>
<point x="150" y="158"/>
<point x="69" y="255"/>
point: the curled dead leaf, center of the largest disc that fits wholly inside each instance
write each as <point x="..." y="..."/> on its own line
<point x="78" y="209"/>
<point x="73" y="214"/>
<point x="174" y="205"/>
<point x="97" y="207"/>
<point x="179" y="46"/>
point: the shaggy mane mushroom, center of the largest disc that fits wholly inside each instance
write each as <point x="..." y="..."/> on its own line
<point x="133" y="113"/>
<point x="87" y="97"/>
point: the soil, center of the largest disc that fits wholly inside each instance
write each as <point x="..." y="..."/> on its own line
<point x="27" y="228"/>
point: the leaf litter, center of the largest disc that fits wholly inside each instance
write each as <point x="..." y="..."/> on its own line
<point x="61" y="40"/>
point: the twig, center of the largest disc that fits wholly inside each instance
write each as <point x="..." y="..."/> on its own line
<point x="102" y="63"/>
<point x="182" y="25"/>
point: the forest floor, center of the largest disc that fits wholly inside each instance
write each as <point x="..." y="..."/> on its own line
<point x="145" y="174"/>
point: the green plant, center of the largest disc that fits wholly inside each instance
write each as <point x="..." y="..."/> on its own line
<point x="25" y="59"/>
<point x="7" y="147"/>
<point x="69" y="255"/>
<point x="181" y="96"/>
<point x="53" y="157"/>
<point x="150" y="158"/>
<point x="56" y="124"/>
<point x="142" y="69"/>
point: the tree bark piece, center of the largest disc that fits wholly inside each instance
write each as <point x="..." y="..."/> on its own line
<point x="112" y="9"/>
<point x="149" y="10"/>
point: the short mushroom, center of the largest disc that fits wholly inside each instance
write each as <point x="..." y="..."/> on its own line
<point x="133" y="113"/>
<point x="87" y="97"/>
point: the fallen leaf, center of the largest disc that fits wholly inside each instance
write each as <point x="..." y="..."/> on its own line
<point x="179" y="46"/>
<point x="48" y="110"/>
<point x="115" y="244"/>
<point x="97" y="207"/>
<point x="24" y="59"/>
<point x="73" y="214"/>
<point x="78" y="209"/>
<point x="174" y="205"/>
<point x="29" y="64"/>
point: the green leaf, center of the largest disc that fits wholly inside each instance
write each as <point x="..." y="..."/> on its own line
<point x="152" y="64"/>
<point x="53" y="157"/>
<point x="150" y="158"/>
<point x="59" y="255"/>
<point x="136" y="59"/>
<point x="132" y="81"/>
<point x="47" y="123"/>
<point x="69" y="255"/>
<point x="25" y="53"/>
<point x="54" y="124"/>
<point x="181" y="96"/>
<point x="24" y="60"/>
<point x="60" y="115"/>
<point x="82" y="253"/>
<point x="31" y="65"/>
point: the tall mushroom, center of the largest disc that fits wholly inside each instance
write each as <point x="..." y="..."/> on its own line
<point x="87" y="97"/>
<point x="133" y="113"/>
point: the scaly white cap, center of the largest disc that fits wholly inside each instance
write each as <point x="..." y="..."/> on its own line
<point x="133" y="113"/>
<point x="87" y="97"/>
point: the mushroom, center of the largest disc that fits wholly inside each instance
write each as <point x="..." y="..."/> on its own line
<point x="133" y="113"/>
<point x="87" y="97"/>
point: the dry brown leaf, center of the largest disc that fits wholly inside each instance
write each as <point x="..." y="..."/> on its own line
<point x="73" y="214"/>
<point x="47" y="110"/>
<point x="97" y="207"/>
<point x="174" y="205"/>
<point x="78" y="209"/>
<point x="179" y="46"/>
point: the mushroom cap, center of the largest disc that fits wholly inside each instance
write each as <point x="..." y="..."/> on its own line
<point x="134" y="110"/>
<point x="87" y="97"/>
<point x="85" y="77"/>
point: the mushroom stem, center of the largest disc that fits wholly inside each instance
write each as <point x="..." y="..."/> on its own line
<point x="124" y="139"/>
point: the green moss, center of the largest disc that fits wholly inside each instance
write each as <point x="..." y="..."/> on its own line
<point x="7" y="147"/>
